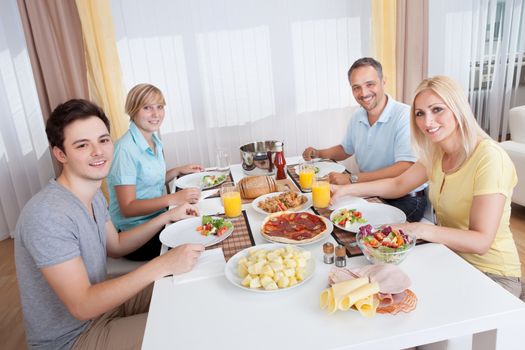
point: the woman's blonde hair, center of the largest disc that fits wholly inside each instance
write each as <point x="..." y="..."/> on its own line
<point x="141" y="95"/>
<point x="453" y="96"/>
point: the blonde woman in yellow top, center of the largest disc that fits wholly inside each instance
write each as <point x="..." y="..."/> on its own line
<point x="470" y="178"/>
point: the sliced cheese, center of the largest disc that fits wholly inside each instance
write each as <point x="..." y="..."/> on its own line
<point x="348" y="300"/>
<point x="343" y="288"/>
<point x="367" y="306"/>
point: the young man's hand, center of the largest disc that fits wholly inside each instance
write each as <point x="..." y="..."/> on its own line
<point x="181" y="258"/>
<point x="183" y="211"/>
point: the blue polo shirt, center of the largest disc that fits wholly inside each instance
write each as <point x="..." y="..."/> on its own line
<point x="135" y="163"/>
<point x="384" y="143"/>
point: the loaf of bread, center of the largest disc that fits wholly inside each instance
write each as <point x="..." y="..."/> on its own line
<point x="255" y="186"/>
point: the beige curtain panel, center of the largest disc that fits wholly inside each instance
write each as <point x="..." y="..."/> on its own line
<point x="411" y="47"/>
<point x="54" y="40"/>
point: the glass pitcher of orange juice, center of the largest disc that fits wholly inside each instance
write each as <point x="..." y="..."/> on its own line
<point x="231" y="199"/>
<point x="321" y="194"/>
<point x="306" y="176"/>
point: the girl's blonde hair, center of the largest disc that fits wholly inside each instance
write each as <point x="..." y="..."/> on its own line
<point x="453" y="96"/>
<point x="141" y="95"/>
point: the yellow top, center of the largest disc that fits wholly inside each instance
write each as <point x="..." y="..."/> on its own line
<point x="489" y="170"/>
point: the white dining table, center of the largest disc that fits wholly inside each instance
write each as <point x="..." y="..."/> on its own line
<point x="455" y="302"/>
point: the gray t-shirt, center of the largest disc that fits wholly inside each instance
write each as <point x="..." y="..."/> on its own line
<point x="55" y="227"/>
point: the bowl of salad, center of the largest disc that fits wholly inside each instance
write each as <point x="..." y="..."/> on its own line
<point x="385" y="245"/>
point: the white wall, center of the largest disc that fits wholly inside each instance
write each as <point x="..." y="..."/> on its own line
<point x="237" y="71"/>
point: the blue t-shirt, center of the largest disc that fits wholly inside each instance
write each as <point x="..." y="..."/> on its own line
<point x="384" y="143"/>
<point x="135" y="163"/>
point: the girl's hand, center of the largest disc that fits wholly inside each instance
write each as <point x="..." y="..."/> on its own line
<point x="190" y="168"/>
<point x="188" y="195"/>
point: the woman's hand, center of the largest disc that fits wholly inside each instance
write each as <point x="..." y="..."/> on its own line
<point x="188" y="195"/>
<point x="417" y="229"/>
<point x="337" y="192"/>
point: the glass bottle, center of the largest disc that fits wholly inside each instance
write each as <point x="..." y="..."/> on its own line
<point x="279" y="161"/>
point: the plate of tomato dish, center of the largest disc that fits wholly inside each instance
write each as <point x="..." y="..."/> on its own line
<point x="351" y="217"/>
<point x="206" y="230"/>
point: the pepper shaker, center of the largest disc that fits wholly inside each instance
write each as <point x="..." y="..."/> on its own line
<point x="340" y="256"/>
<point x="328" y="249"/>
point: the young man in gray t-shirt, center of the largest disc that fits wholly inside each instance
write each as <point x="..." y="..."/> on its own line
<point x="62" y="239"/>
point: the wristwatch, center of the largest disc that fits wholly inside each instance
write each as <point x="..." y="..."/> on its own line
<point x="353" y="178"/>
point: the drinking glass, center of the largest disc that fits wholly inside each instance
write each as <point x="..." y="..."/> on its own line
<point x="321" y="194"/>
<point x="231" y="199"/>
<point x="223" y="160"/>
<point x="306" y="176"/>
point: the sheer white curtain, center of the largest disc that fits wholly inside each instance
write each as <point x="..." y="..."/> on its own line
<point x="481" y="43"/>
<point x="236" y="71"/>
<point x="25" y="162"/>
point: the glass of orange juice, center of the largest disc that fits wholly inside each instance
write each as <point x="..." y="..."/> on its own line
<point x="321" y="194"/>
<point x="231" y="199"/>
<point x="306" y="176"/>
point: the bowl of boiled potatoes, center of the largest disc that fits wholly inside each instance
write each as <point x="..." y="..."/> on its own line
<point x="270" y="267"/>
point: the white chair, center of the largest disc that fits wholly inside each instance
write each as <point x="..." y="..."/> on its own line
<point x="516" y="150"/>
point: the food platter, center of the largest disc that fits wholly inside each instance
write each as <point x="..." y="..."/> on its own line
<point x="185" y="231"/>
<point x="260" y="199"/>
<point x="233" y="277"/>
<point x="196" y="180"/>
<point x="375" y="214"/>
<point x="287" y="237"/>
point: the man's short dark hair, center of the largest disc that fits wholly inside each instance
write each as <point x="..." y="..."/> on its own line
<point x="367" y="61"/>
<point x="67" y="113"/>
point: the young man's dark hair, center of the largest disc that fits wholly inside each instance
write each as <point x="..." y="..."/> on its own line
<point x="367" y="61"/>
<point x="68" y="112"/>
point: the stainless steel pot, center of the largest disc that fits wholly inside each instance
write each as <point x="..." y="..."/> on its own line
<point x="257" y="158"/>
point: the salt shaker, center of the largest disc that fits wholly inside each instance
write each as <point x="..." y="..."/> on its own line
<point x="340" y="256"/>
<point x="328" y="249"/>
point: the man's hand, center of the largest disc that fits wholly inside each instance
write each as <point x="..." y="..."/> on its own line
<point x="181" y="258"/>
<point x="187" y="195"/>
<point x="339" y="178"/>
<point x="183" y="211"/>
<point x="309" y="153"/>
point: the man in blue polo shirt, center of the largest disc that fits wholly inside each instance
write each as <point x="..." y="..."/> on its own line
<point x="379" y="136"/>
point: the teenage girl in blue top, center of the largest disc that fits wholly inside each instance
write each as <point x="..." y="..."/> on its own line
<point x="138" y="174"/>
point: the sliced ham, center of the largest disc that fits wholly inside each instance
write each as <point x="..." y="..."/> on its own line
<point x="403" y="302"/>
<point x="391" y="278"/>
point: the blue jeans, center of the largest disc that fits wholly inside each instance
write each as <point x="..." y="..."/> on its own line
<point x="413" y="207"/>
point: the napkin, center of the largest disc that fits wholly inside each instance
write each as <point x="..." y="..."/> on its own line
<point x="211" y="263"/>
<point x="207" y="193"/>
